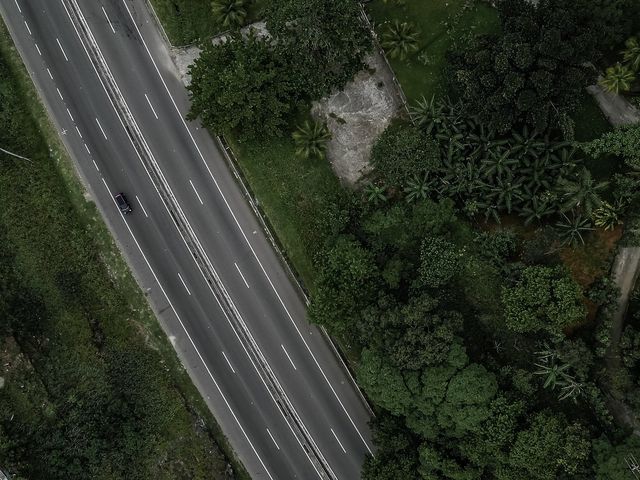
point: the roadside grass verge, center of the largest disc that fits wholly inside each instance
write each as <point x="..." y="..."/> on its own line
<point x="189" y="21"/>
<point x="95" y="388"/>
<point x="440" y="23"/>
<point x="300" y="197"/>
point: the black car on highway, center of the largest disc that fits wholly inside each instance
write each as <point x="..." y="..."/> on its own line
<point x="123" y="204"/>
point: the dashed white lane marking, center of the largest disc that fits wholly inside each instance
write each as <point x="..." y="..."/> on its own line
<point x="70" y="116"/>
<point x="143" y="209"/>
<point x="62" y="50"/>
<point x="243" y="279"/>
<point x="184" y="284"/>
<point x="27" y="25"/>
<point x="273" y="439"/>
<point x="49" y="72"/>
<point x="287" y="354"/>
<point x="19" y="9"/>
<point x="107" y="16"/>
<point x="152" y="109"/>
<point x="60" y="94"/>
<point x="78" y="130"/>
<point x="228" y="362"/>
<point x="338" y="440"/>
<point x="101" y="129"/>
<point x="38" y="49"/>
<point x="344" y="409"/>
<point x="94" y="163"/>
<point x="196" y="191"/>
<point x="87" y="148"/>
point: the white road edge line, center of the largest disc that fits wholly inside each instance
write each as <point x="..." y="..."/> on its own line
<point x="196" y="191"/>
<point x="243" y="279"/>
<point x="287" y="354"/>
<point x="28" y="29"/>
<point x="273" y="439"/>
<point x="244" y="433"/>
<point x="228" y="362"/>
<point x="184" y="284"/>
<point x="107" y="16"/>
<point x="101" y="129"/>
<point x="243" y="234"/>
<point x="49" y="72"/>
<point x="19" y="9"/>
<point x="38" y="49"/>
<point x="62" y="50"/>
<point x="338" y="440"/>
<point x="143" y="209"/>
<point x="152" y="109"/>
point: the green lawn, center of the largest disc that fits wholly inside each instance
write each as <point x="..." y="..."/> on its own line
<point x="298" y="196"/>
<point x="188" y="21"/>
<point x="92" y="387"/>
<point x="441" y="23"/>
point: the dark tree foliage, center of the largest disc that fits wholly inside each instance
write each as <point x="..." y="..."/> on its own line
<point x="533" y="72"/>
<point x="402" y="152"/>
<point x="241" y="84"/>
<point x="322" y="42"/>
<point x="396" y="455"/>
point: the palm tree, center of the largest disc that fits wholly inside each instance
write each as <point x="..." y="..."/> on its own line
<point x="418" y="188"/>
<point x="311" y="139"/>
<point x="617" y="78"/>
<point x="506" y="192"/>
<point x="571" y="229"/>
<point x="427" y="114"/>
<point x="375" y="194"/>
<point x="605" y="216"/>
<point x="536" y="209"/>
<point x="230" y="13"/>
<point x="400" y="39"/>
<point x="499" y="163"/>
<point x="631" y="54"/>
<point x="582" y="192"/>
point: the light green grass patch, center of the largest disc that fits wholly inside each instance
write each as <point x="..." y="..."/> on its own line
<point x="440" y="23"/>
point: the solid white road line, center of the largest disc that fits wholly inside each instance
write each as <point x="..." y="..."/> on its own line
<point x="273" y="439"/>
<point x="107" y="16"/>
<point x="143" y="209"/>
<point x="38" y="49"/>
<point x="197" y="194"/>
<point x="344" y="409"/>
<point x="27" y="25"/>
<point x="49" y="72"/>
<point x="338" y="440"/>
<point x="228" y="362"/>
<point x="78" y="130"/>
<point x="226" y="402"/>
<point x="183" y="284"/>
<point x="19" y="9"/>
<point x="60" y="94"/>
<point x="287" y="354"/>
<point x="238" y="268"/>
<point x="101" y="129"/>
<point x="62" y="50"/>
<point x="152" y="109"/>
<point x="70" y="116"/>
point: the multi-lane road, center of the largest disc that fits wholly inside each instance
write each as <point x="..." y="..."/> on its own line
<point x="275" y="385"/>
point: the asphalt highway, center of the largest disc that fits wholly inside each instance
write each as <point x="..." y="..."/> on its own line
<point x="217" y="359"/>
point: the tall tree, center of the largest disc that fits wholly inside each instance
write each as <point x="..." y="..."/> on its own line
<point x="241" y="84"/>
<point x="544" y="298"/>
<point x="322" y="41"/>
